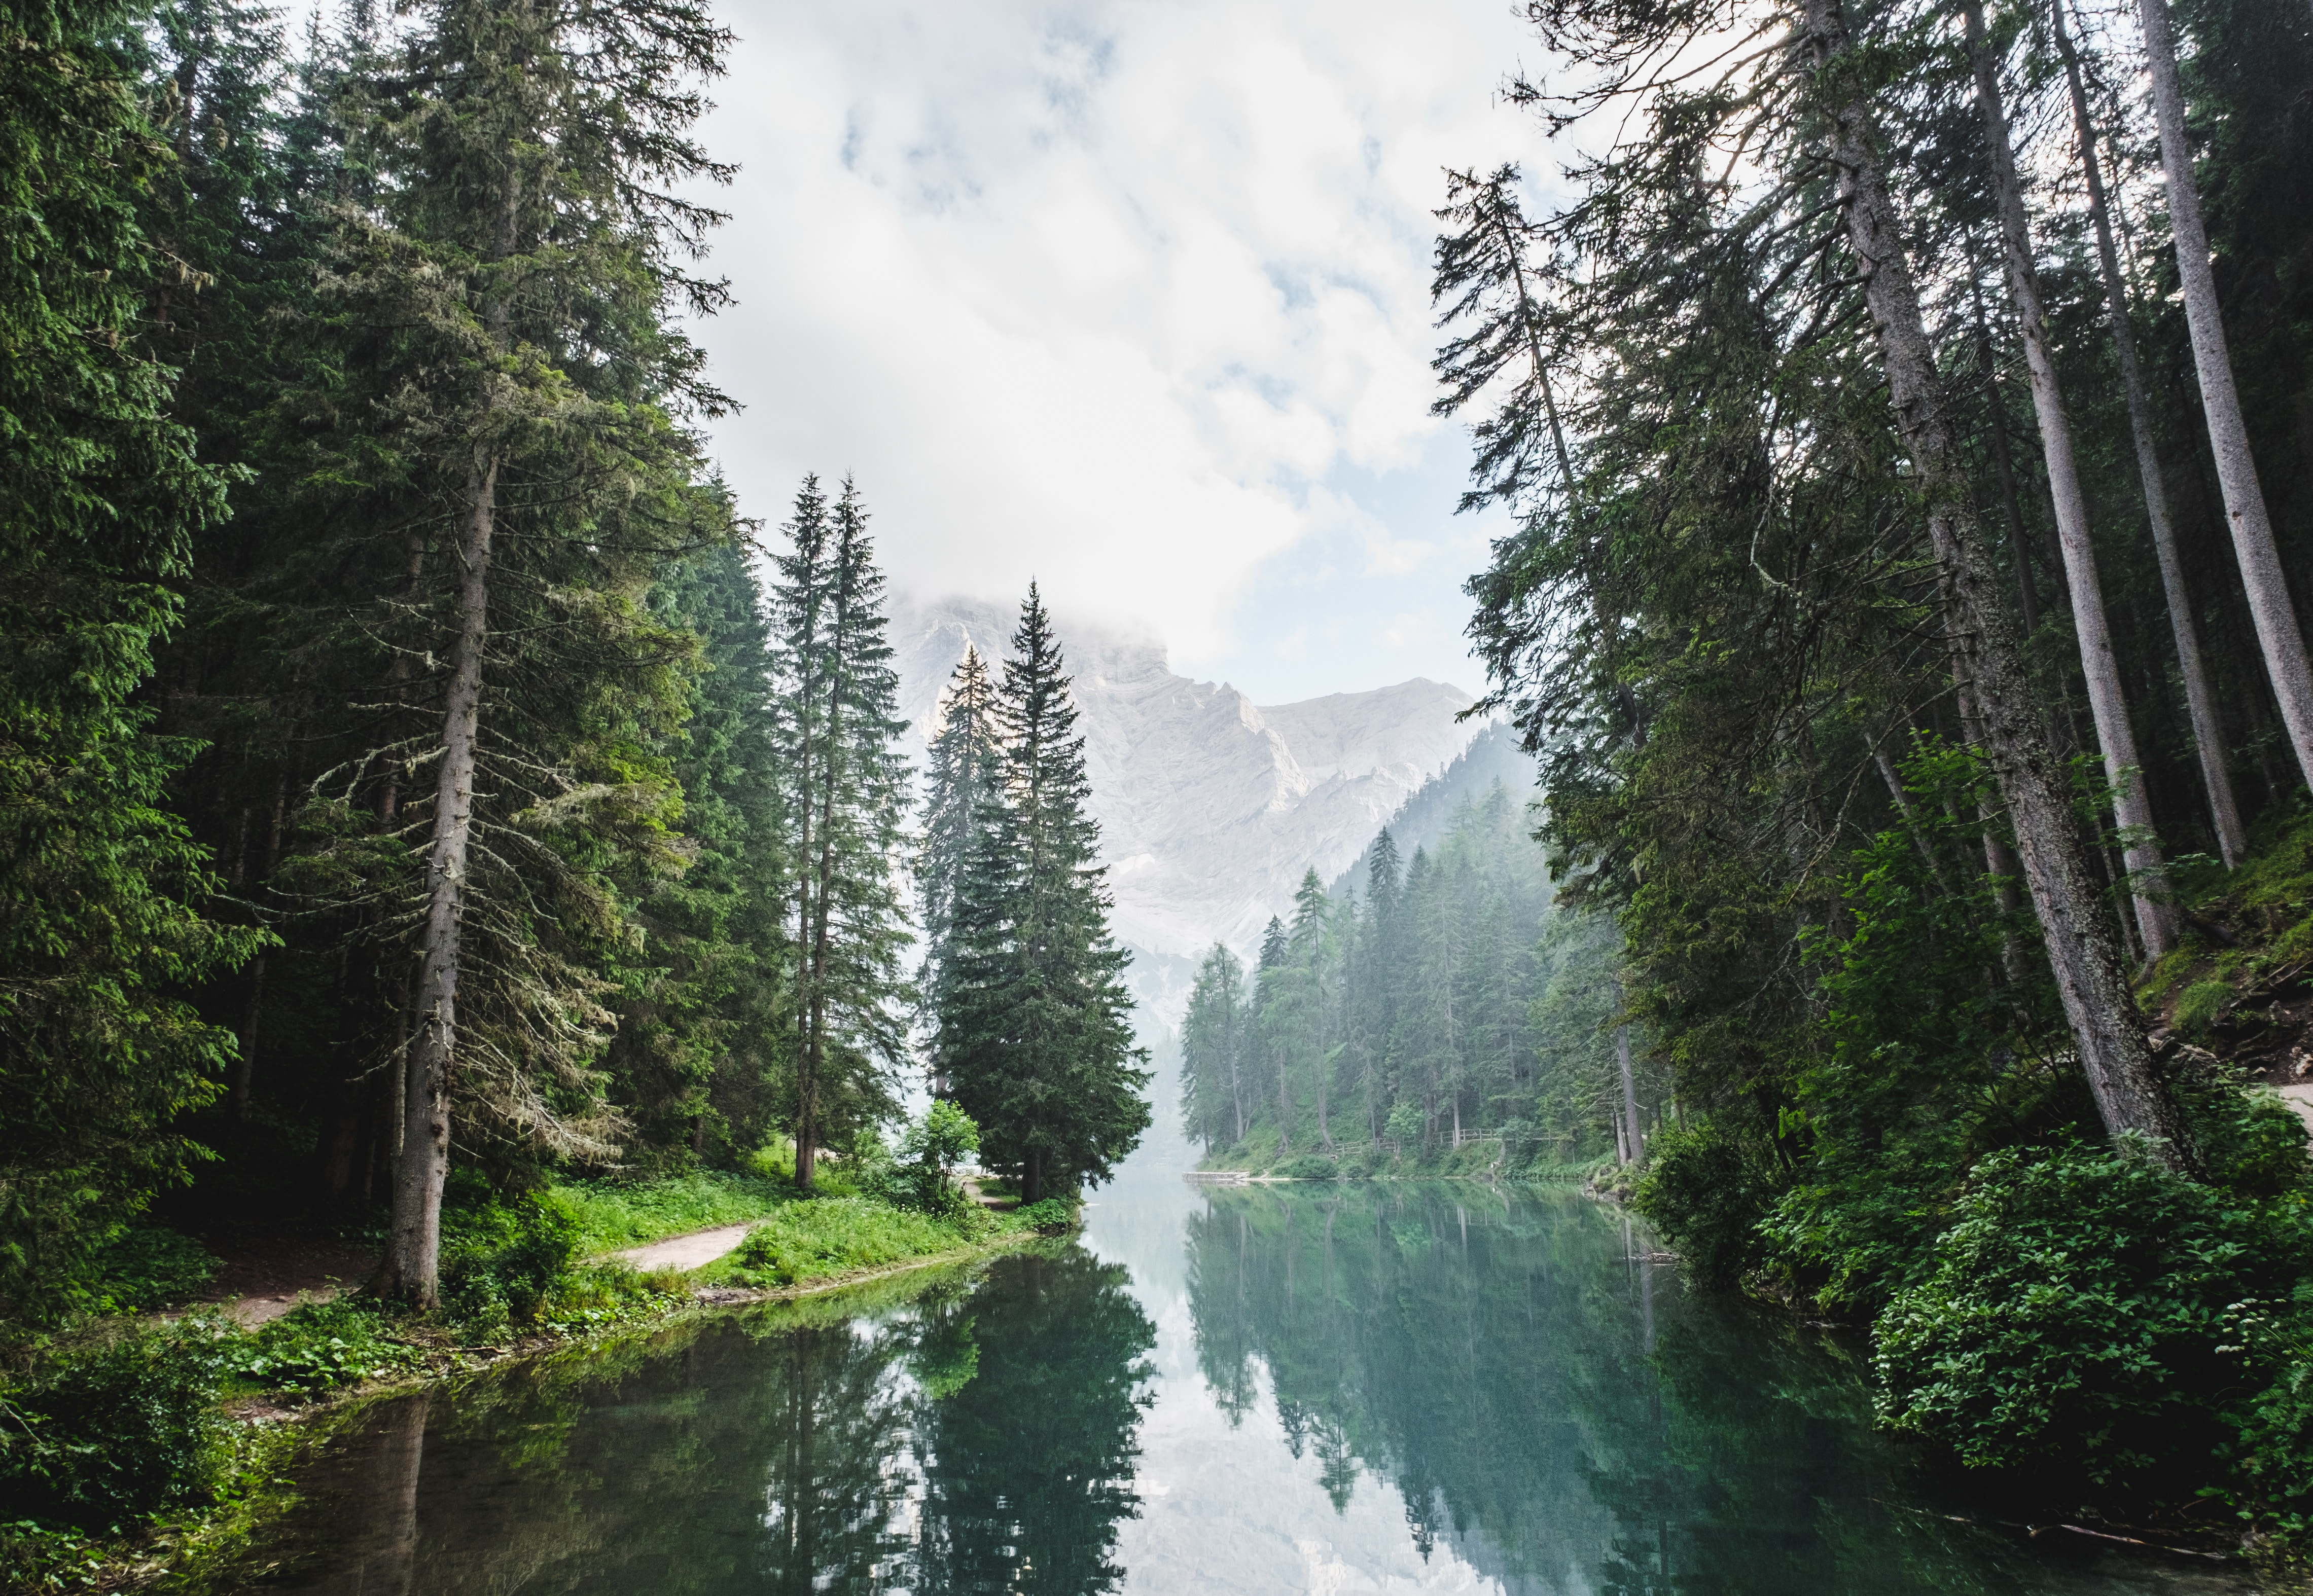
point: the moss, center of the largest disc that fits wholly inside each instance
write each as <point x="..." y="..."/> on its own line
<point x="2201" y="1004"/>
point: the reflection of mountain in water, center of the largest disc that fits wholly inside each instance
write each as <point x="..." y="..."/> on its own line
<point x="1548" y="1405"/>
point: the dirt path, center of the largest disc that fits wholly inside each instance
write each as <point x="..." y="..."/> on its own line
<point x="686" y="1252"/>
<point x="263" y="1272"/>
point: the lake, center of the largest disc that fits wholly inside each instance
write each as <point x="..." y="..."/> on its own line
<point x="1309" y="1387"/>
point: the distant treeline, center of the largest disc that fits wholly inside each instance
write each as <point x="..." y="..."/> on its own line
<point x="1443" y="1003"/>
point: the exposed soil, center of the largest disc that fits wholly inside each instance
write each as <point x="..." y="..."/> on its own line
<point x="266" y="1269"/>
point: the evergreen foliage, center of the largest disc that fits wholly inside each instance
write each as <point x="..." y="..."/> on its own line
<point x="848" y="784"/>
<point x="1784" y="617"/>
<point x="1034" y="1026"/>
<point x="1448" y="1005"/>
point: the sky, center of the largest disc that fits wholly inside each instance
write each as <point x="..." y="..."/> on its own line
<point x="1130" y="298"/>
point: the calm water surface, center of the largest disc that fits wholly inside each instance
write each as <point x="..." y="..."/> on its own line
<point x="1307" y="1387"/>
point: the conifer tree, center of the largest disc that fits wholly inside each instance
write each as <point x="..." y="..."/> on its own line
<point x="847" y="797"/>
<point x="103" y="925"/>
<point x="1035" y="1024"/>
<point x="962" y="788"/>
<point x="1213" y="1061"/>
<point x="522" y="263"/>
<point x="699" y="1051"/>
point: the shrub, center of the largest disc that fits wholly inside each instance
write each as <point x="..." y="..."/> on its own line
<point x="317" y="1346"/>
<point x="1701" y="1192"/>
<point x="116" y="1431"/>
<point x="2201" y="1004"/>
<point x="615" y="1214"/>
<point x="1308" y="1166"/>
<point x="151" y="1267"/>
<point x="2083" y="1311"/>
<point x="1048" y="1215"/>
<point x="502" y="1260"/>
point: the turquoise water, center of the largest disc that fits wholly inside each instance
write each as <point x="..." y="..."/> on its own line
<point x="1304" y="1388"/>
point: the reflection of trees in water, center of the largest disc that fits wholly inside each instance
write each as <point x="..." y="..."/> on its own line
<point x="1028" y="1463"/>
<point x="1546" y="1402"/>
<point x="982" y="1440"/>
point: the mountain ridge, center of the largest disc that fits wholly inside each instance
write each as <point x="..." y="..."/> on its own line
<point x="1211" y="806"/>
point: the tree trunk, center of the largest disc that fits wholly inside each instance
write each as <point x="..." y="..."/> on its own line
<point x="2207" y="728"/>
<point x="2003" y="464"/>
<point x="2100" y="668"/>
<point x="2277" y="630"/>
<point x="413" y="1252"/>
<point x="2080" y="930"/>
<point x="1630" y="1089"/>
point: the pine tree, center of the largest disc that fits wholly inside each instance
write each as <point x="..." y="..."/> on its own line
<point x="1213" y="1044"/>
<point x="521" y="265"/>
<point x="102" y="891"/>
<point x="962" y="789"/>
<point x="1034" y="1026"/>
<point x="847" y="798"/>
<point x="699" y="1051"/>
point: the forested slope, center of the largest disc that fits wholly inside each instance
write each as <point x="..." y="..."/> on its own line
<point x="1904" y="415"/>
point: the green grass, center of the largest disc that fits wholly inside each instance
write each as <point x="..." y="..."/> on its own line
<point x="810" y="1240"/>
<point x="613" y="1214"/>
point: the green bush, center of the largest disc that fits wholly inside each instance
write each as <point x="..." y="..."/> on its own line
<point x="502" y="1260"/>
<point x="151" y="1267"/>
<point x="116" y="1431"/>
<point x="2088" y="1309"/>
<point x="1702" y="1194"/>
<point x="2201" y="1004"/>
<point x="318" y="1345"/>
<point x="1047" y="1215"/>
<point x="1308" y="1166"/>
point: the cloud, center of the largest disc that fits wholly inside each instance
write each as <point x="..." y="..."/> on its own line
<point x="1125" y="296"/>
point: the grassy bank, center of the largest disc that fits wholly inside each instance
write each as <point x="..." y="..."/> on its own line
<point x="132" y="1445"/>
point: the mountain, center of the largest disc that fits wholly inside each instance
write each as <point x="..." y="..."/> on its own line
<point x="1424" y="817"/>
<point x="1210" y="805"/>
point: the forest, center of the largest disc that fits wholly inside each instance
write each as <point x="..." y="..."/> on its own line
<point x="1902" y="414"/>
<point x="1430" y="1014"/>
<point x="436" y="815"/>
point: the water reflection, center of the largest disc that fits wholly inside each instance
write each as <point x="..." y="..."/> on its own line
<point x="1555" y="1414"/>
<point x="1347" y="1388"/>
<point x="979" y="1439"/>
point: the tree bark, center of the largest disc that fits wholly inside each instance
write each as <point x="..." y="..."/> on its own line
<point x="2277" y="629"/>
<point x="1630" y="1090"/>
<point x="2200" y="699"/>
<point x="2099" y="666"/>
<point x="413" y="1252"/>
<point x="2080" y="927"/>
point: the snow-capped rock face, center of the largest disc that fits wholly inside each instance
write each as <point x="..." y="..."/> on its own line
<point x="1210" y="806"/>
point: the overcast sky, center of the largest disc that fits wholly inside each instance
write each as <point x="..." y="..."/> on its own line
<point x="1132" y="297"/>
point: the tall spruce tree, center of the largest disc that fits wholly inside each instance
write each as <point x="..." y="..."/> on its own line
<point x="1035" y="1024"/>
<point x="963" y="789"/>
<point x="847" y="799"/>
<point x="1214" y="1032"/>
<point x="522" y="263"/>
<point x="102" y="891"/>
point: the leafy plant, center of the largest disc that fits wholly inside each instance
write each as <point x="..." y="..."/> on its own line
<point x="318" y="1345"/>
<point x="502" y="1260"/>
<point x="832" y="1236"/>
<point x="150" y="1268"/>
<point x="2086" y="1310"/>
<point x="1048" y="1215"/>
<point x="118" y="1430"/>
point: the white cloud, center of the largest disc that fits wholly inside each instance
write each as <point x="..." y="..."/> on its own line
<point x="1129" y="297"/>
